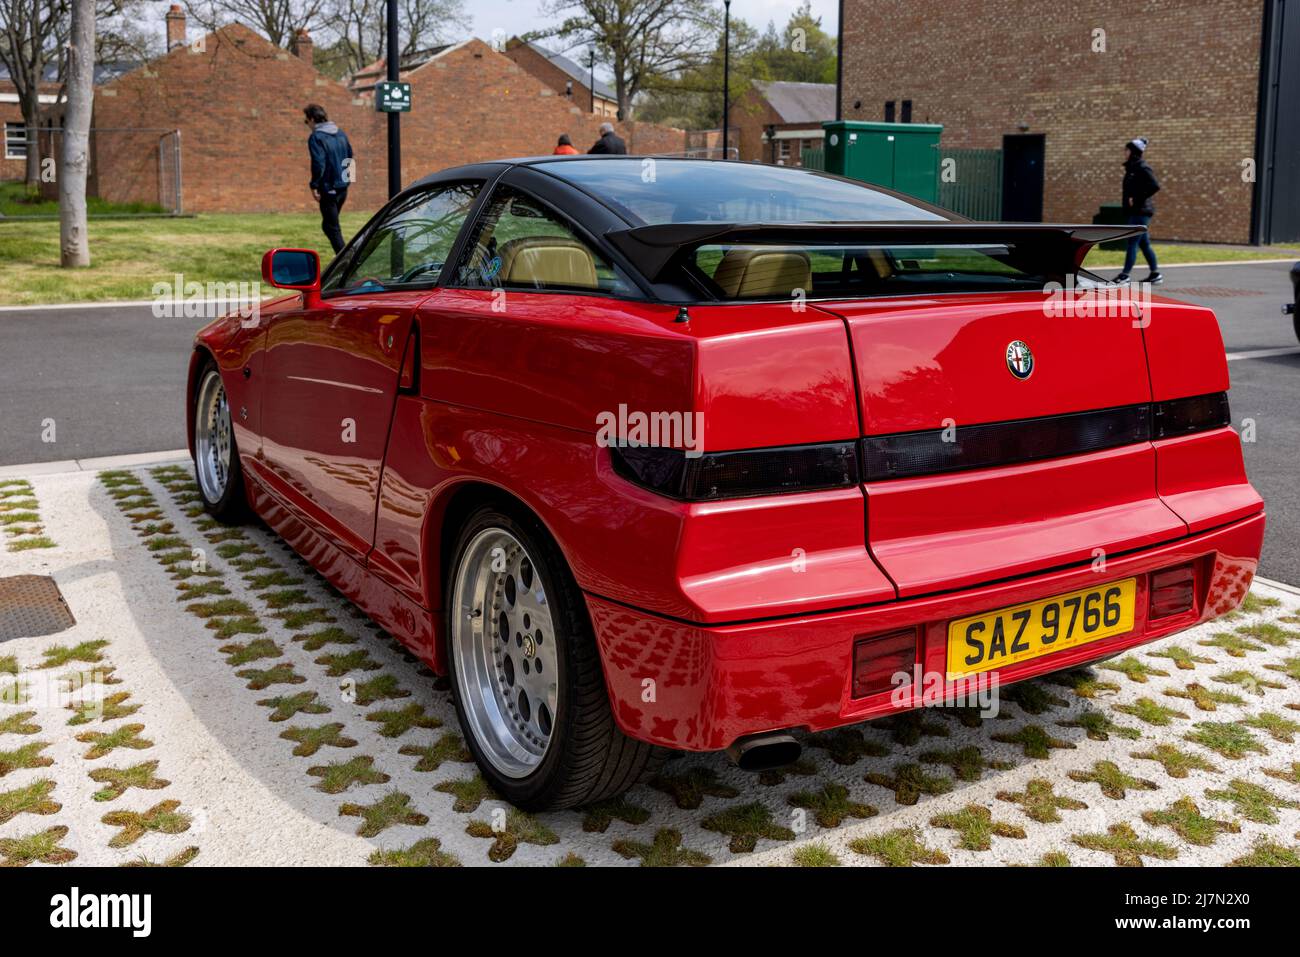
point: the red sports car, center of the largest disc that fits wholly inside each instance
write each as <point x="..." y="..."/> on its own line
<point x="654" y="454"/>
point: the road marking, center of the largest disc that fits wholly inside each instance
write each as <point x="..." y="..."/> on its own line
<point x="96" y="464"/>
<point x="213" y="304"/>
<point x="1262" y="353"/>
<point x="1221" y="262"/>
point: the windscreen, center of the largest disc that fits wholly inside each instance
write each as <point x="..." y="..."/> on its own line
<point x="769" y="271"/>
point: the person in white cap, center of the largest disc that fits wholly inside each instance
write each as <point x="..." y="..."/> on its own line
<point x="1140" y="184"/>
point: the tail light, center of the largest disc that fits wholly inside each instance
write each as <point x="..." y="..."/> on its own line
<point x="877" y="659"/>
<point x="1197" y="413"/>
<point x="719" y="475"/>
<point x="1173" y="591"/>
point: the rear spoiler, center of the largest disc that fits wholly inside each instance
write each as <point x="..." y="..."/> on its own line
<point x="1041" y="249"/>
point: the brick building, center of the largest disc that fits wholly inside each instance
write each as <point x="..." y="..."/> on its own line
<point x="1060" y="87"/>
<point x="564" y="76"/>
<point x="237" y="101"/>
<point x="778" y="119"/>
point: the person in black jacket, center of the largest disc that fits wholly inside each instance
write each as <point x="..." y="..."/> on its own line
<point x="609" y="142"/>
<point x="1140" y="184"/>
<point x="331" y="170"/>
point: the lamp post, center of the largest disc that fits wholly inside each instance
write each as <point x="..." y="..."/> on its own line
<point x="392" y="55"/>
<point x="726" y="79"/>
<point x="591" y="76"/>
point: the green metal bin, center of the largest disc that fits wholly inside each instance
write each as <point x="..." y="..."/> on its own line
<point x="899" y="156"/>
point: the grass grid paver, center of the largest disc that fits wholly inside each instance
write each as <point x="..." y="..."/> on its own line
<point x="1198" y="739"/>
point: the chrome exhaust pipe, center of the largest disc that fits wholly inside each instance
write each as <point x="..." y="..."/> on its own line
<point x="763" y="752"/>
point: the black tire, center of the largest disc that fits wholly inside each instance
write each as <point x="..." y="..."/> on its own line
<point x="1295" y="319"/>
<point x="589" y="758"/>
<point x="232" y="507"/>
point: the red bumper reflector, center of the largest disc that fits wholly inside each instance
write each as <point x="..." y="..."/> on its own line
<point x="878" y="658"/>
<point x="1172" y="591"/>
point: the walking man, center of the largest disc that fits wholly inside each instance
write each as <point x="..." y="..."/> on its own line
<point x="1140" y="185"/>
<point x="609" y="142"/>
<point x="331" y="170"/>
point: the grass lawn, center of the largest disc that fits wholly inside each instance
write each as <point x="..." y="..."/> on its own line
<point x="129" y="256"/>
<point x="16" y="201"/>
<point x="1170" y="253"/>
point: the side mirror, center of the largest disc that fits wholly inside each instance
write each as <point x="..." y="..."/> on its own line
<point x="293" y="269"/>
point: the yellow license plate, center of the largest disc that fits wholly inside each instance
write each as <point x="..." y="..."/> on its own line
<point x="1010" y="635"/>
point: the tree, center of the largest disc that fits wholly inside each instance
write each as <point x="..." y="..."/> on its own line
<point x="31" y="34"/>
<point x="802" y="51"/>
<point x="358" y="29"/>
<point x="692" y="98"/>
<point x="277" y="20"/>
<point x="638" y="40"/>
<point x="74" y="245"/>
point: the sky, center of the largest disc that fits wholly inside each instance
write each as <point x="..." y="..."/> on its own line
<point x="520" y="16"/>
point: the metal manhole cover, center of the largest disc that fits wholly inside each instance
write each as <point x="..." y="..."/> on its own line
<point x="32" y="605"/>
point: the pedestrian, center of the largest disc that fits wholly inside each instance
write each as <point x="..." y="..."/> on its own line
<point x="331" y="170"/>
<point x="609" y="142"/>
<point x="565" y="146"/>
<point x="1140" y="185"/>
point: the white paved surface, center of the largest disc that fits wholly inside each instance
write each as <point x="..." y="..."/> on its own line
<point x="250" y="800"/>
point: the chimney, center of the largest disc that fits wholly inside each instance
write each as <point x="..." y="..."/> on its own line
<point x="175" y="27"/>
<point x="302" y="45"/>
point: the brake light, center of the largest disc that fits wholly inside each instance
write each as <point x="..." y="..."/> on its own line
<point x="1197" y="413"/>
<point x="877" y="659"/>
<point x="718" y="475"/>
<point x="1172" y="591"/>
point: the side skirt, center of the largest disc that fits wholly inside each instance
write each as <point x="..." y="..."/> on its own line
<point x="407" y="621"/>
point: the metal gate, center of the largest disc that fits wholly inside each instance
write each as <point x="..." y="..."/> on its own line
<point x="131" y="172"/>
<point x="970" y="182"/>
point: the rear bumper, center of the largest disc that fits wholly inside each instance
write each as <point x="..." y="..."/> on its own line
<point x="700" y="687"/>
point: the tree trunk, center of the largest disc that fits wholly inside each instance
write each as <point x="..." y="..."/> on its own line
<point x="31" y="110"/>
<point x="74" y="245"/>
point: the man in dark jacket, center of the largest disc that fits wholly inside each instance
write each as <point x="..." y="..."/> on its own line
<point x="1140" y="185"/>
<point x="609" y="142"/>
<point x="331" y="170"/>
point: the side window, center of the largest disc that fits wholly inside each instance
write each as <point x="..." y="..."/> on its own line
<point x="522" y="244"/>
<point x="412" y="243"/>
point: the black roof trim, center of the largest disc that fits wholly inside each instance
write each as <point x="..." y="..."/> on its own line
<point x="1054" y="249"/>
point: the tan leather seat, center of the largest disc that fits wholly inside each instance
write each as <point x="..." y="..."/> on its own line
<point x="751" y="272"/>
<point x="547" y="261"/>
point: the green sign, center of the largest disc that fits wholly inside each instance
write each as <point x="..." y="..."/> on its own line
<point x="392" y="97"/>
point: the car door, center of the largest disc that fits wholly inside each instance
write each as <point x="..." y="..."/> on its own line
<point x="331" y="370"/>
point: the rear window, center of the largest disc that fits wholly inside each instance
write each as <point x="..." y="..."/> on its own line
<point x="771" y="271"/>
<point x="648" y="190"/>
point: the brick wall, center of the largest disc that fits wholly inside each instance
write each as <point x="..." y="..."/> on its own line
<point x="238" y="104"/>
<point x="1182" y="73"/>
<point x="10" y="113"/>
<point x="750" y="115"/>
<point x="550" y="74"/>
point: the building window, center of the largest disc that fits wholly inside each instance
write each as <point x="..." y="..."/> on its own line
<point x="784" y="158"/>
<point x="889" y="111"/>
<point x="907" y="111"/>
<point x="15" y="141"/>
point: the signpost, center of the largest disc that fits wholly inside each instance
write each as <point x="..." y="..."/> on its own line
<point x="384" y="93"/>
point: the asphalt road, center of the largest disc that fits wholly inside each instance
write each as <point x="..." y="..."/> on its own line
<point x="112" y="379"/>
